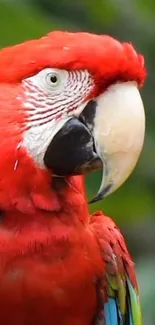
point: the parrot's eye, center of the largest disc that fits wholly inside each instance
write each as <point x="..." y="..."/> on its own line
<point x="51" y="80"/>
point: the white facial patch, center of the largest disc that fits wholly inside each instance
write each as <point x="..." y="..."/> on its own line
<point x="52" y="97"/>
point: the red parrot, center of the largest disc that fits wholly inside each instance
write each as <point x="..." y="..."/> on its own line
<point x="69" y="105"/>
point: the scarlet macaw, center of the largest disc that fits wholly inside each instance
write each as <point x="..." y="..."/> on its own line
<point x="69" y="104"/>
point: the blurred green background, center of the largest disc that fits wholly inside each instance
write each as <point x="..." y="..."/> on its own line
<point x="132" y="206"/>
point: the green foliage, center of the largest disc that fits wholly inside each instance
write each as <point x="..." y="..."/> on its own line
<point x="20" y="22"/>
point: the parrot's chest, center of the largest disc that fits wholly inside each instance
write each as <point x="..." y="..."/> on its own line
<point x="46" y="287"/>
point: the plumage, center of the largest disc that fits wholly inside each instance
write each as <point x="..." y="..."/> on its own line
<point x="58" y="264"/>
<point x="122" y="306"/>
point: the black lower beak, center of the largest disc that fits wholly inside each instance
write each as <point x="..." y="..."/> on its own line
<point x="72" y="151"/>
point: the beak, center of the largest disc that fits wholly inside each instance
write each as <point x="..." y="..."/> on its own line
<point x="108" y="134"/>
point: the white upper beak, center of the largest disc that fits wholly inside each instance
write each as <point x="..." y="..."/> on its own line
<point x="119" y="129"/>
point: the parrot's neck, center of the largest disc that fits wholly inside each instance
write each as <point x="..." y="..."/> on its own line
<point x="39" y="213"/>
<point x="28" y="193"/>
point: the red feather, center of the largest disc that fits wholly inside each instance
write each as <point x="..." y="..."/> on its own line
<point x="106" y="58"/>
<point x="50" y="256"/>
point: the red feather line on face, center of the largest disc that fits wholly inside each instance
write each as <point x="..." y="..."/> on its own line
<point x="46" y="105"/>
<point x="104" y="57"/>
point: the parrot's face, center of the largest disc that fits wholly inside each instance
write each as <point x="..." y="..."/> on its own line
<point x="75" y="105"/>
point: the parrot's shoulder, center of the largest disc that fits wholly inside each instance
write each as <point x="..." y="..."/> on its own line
<point x="117" y="290"/>
<point x="110" y="239"/>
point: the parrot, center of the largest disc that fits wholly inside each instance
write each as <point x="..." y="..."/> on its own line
<point x="70" y="105"/>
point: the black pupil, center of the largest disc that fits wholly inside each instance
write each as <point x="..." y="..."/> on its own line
<point x="53" y="79"/>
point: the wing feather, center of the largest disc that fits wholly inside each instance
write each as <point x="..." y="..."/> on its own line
<point x="120" y="301"/>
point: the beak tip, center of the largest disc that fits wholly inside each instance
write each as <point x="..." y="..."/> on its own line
<point x="101" y="194"/>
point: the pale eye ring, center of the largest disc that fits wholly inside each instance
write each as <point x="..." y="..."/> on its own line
<point x="53" y="79"/>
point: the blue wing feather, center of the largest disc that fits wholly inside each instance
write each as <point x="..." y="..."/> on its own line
<point x="111" y="313"/>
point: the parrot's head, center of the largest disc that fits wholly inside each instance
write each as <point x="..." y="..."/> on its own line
<point x="69" y="104"/>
